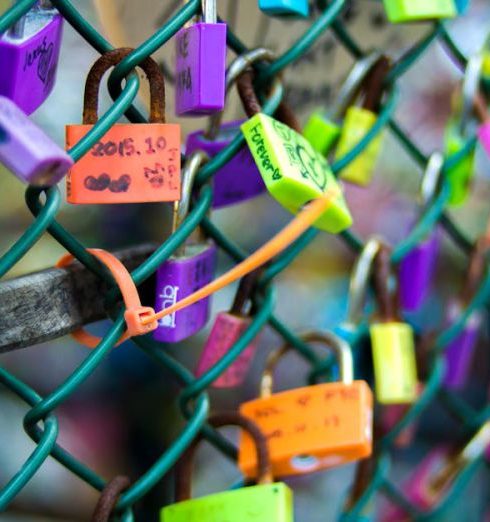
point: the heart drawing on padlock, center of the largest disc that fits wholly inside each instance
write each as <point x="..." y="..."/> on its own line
<point x="44" y="63"/>
<point x="104" y="181"/>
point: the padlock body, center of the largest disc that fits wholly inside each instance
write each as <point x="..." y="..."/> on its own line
<point x="239" y="179"/>
<point x="293" y="172"/>
<point x="484" y="137"/>
<point x="462" y="5"/>
<point x="262" y="503"/>
<point x="310" y="428"/>
<point x="25" y="150"/>
<point x="357" y="123"/>
<point x="177" y="278"/>
<point x="226" y="330"/>
<point x="459" y="353"/>
<point x="132" y="163"/>
<point x="399" y="11"/>
<point x="200" y="69"/>
<point x="460" y="175"/>
<point x="395" y="370"/>
<point x="321" y="132"/>
<point x="285" y="7"/>
<point x="29" y="63"/>
<point x="417" y="271"/>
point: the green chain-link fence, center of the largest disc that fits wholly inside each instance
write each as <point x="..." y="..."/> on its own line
<point x="41" y="423"/>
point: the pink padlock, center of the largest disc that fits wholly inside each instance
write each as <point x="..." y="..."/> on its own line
<point x="227" y="329"/>
<point x="484" y="136"/>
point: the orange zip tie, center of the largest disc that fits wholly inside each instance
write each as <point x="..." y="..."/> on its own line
<point x="278" y="243"/>
<point x="135" y="312"/>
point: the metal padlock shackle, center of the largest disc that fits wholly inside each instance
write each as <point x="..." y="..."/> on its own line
<point x="477" y="265"/>
<point x="431" y="178"/>
<point x="239" y="65"/>
<point x="110" y="59"/>
<point x="183" y="486"/>
<point x="329" y="340"/>
<point x="386" y="300"/>
<point x="16" y="30"/>
<point x="245" y="289"/>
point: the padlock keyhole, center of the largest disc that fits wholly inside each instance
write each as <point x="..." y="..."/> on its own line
<point x="305" y="462"/>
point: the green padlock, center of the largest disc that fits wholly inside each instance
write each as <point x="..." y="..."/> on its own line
<point x="400" y="11"/>
<point x="357" y="123"/>
<point x="392" y="341"/>
<point x="265" y="502"/>
<point x="322" y="129"/>
<point x="460" y="128"/>
<point x="293" y="172"/>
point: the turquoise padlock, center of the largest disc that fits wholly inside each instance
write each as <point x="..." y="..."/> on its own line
<point x="462" y="5"/>
<point x="285" y="7"/>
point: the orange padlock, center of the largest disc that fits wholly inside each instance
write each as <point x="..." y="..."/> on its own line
<point x="132" y="163"/>
<point x="314" y="427"/>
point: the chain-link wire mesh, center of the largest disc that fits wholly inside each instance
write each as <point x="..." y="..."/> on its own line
<point x="41" y="423"/>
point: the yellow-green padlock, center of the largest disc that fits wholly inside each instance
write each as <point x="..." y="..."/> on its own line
<point x="400" y="11"/>
<point x="267" y="501"/>
<point x="293" y="172"/>
<point x="357" y="123"/>
<point x="322" y="129"/>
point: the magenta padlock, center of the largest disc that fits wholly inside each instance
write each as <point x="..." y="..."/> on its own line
<point x="27" y="151"/>
<point x="201" y="64"/>
<point x="227" y="329"/>
<point x="417" y="269"/>
<point x="190" y="268"/>
<point x="484" y="136"/>
<point x="29" y="53"/>
<point x="239" y="179"/>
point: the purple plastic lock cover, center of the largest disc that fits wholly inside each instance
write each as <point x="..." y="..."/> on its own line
<point x="239" y="179"/>
<point x="200" y="69"/>
<point x="27" y="151"/>
<point x="177" y="278"/>
<point x="29" y="63"/>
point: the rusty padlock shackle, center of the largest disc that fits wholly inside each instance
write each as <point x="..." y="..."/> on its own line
<point x="111" y="59"/>
<point x="245" y="289"/>
<point x="239" y="65"/>
<point x="476" y="269"/>
<point x="183" y="469"/>
<point x="387" y="300"/>
<point x="329" y="340"/>
<point x="109" y="497"/>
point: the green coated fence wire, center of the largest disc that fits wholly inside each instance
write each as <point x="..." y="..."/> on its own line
<point x="40" y="421"/>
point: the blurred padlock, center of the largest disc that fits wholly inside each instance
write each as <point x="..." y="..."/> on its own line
<point x="132" y="163"/>
<point x="432" y="479"/>
<point x="200" y="65"/>
<point x="27" y="151"/>
<point x="239" y="179"/>
<point x="392" y="341"/>
<point x="462" y="5"/>
<point x="227" y="329"/>
<point x="293" y="172"/>
<point x="322" y="130"/>
<point x="29" y="53"/>
<point x="418" y="267"/>
<point x="191" y="267"/>
<point x="313" y="427"/>
<point x="400" y="11"/>
<point x="285" y="7"/>
<point x="267" y="501"/>
<point x="357" y="123"/>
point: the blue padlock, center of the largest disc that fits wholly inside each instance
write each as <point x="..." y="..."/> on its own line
<point x="462" y="5"/>
<point x="285" y="7"/>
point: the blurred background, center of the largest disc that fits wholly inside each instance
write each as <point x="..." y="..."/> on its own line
<point x="122" y="418"/>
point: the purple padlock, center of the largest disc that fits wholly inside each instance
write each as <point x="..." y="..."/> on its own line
<point x="27" y="151"/>
<point x="239" y="179"/>
<point x="417" y="271"/>
<point x="201" y="65"/>
<point x="29" y="53"/>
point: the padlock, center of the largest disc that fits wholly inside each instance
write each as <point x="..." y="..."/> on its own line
<point x="293" y="172"/>
<point x="200" y="65"/>
<point x="27" y="151"/>
<point x="29" y="53"/>
<point x="313" y="427"/>
<point x="285" y="7"/>
<point x="227" y="329"/>
<point x="392" y="341"/>
<point x="401" y="11"/>
<point x="132" y="163"/>
<point x="191" y="267"/>
<point x="357" y="123"/>
<point x="267" y="501"/>
<point x="434" y="476"/>
<point x="484" y="136"/>
<point x="462" y="5"/>
<point x="418" y="267"/>
<point x="458" y="354"/>
<point x="239" y="179"/>
<point x="323" y="130"/>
